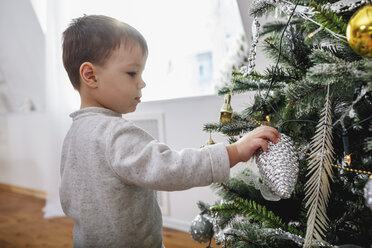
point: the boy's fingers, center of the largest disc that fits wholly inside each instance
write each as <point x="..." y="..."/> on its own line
<point x="269" y="133"/>
<point x="263" y="144"/>
<point x="271" y="129"/>
<point x="272" y="137"/>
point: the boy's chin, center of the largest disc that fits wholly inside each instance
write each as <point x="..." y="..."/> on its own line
<point x="128" y="111"/>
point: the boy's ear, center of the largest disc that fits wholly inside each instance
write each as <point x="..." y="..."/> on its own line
<point x="88" y="75"/>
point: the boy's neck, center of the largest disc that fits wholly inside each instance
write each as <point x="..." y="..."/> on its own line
<point x="87" y="101"/>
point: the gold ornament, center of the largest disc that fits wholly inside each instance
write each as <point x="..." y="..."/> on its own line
<point x="359" y="31"/>
<point x="226" y="110"/>
<point x="209" y="142"/>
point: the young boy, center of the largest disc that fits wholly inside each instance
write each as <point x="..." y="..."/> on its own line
<point x="110" y="168"/>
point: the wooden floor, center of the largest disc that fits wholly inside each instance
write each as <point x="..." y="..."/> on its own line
<point x="22" y="225"/>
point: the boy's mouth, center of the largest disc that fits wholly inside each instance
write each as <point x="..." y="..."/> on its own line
<point x="138" y="99"/>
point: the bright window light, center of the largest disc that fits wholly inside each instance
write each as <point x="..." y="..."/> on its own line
<point x="189" y="41"/>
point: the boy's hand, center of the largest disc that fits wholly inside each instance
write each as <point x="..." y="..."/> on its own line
<point x="244" y="148"/>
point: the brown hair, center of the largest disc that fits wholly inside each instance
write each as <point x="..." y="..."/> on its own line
<point x="92" y="38"/>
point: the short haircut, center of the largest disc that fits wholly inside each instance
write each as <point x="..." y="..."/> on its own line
<point x="92" y="38"/>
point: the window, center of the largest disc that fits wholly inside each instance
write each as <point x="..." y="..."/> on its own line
<point x="205" y="65"/>
<point x="189" y="41"/>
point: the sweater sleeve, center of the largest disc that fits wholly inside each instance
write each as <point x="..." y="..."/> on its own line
<point x="137" y="158"/>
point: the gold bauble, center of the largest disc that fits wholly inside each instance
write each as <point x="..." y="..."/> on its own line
<point x="359" y="31"/>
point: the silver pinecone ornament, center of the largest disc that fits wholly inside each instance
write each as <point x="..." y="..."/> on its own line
<point x="279" y="166"/>
<point x="368" y="193"/>
<point x="201" y="229"/>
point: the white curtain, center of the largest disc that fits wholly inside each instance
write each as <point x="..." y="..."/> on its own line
<point x="61" y="100"/>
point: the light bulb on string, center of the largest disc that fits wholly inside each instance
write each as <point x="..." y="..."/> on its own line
<point x="345" y="141"/>
<point x="348" y="159"/>
<point x="276" y="15"/>
<point x="268" y="118"/>
<point x="314" y="32"/>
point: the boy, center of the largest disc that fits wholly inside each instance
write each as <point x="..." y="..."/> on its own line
<point x="109" y="167"/>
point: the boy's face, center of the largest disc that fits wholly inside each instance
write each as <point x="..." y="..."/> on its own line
<point x="120" y="79"/>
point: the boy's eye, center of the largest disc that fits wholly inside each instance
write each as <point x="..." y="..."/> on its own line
<point x="132" y="73"/>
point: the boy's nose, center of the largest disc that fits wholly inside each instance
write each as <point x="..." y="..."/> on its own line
<point x="142" y="84"/>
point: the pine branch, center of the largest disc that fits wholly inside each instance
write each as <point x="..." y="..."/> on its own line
<point x="275" y="26"/>
<point x="238" y="125"/>
<point x="247" y="234"/>
<point x="319" y="56"/>
<point x="259" y="8"/>
<point x="273" y="50"/>
<point x="368" y="141"/>
<point x="241" y="85"/>
<point x="253" y="210"/>
<point x="334" y="47"/>
<point x="203" y="206"/>
<point x="330" y="69"/>
<point x="317" y="188"/>
<point x="252" y="82"/>
<point x="304" y="90"/>
<point x="329" y="19"/>
<point x="287" y="75"/>
<point x="234" y="188"/>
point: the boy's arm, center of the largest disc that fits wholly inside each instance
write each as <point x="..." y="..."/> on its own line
<point x="233" y="155"/>
<point x="137" y="158"/>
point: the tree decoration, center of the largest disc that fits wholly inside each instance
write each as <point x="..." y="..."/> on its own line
<point x="359" y="31"/>
<point x="201" y="229"/>
<point x="252" y="177"/>
<point x="279" y="166"/>
<point x="226" y="110"/>
<point x="317" y="188"/>
<point x="368" y="193"/>
<point x="209" y="142"/>
<point x="293" y="93"/>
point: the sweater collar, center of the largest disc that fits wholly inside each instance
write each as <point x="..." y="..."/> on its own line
<point x="89" y="111"/>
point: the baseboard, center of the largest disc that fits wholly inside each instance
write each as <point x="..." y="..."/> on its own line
<point x="181" y="225"/>
<point x="22" y="190"/>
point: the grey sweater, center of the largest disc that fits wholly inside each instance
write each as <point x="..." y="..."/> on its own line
<point x="110" y="170"/>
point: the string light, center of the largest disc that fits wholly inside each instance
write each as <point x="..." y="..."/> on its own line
<point x="276" y="15"/>
<point x="342" y="167"/>
<point x="348" y="159"/>
<point x="345" y="141"/>
<point x="314" y="32"/>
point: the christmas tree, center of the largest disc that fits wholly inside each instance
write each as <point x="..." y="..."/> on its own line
<point x="319" y="93"/>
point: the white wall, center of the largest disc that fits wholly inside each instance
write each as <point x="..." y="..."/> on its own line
<point x="23" y="150"/>
<point x="22" y="65"/>
<point x="29" y="145"/>
<point x="22" y="53"/>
